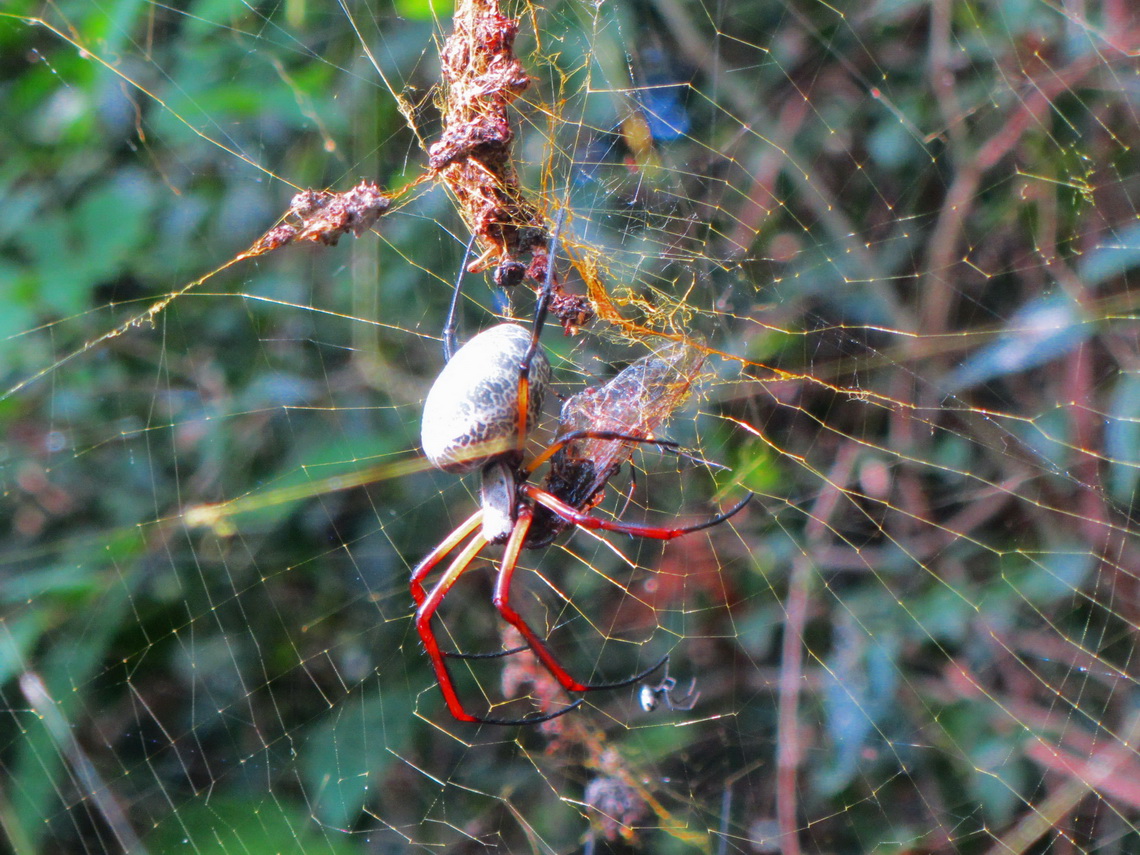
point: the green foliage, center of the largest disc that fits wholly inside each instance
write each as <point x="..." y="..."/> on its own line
<point x="229" y="822"/>
<point x="215" y="599"/>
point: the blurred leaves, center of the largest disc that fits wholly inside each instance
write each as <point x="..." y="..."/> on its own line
<point x="229" y="822"/>
<point x="1122" y="437"/>
<point x="777" y="178"/>
<point x="1040" y="332"/>
<point x="859" y="687"/>
<point x="70" y="252"/>
<point x="1113" y="258"/>
<point x="345" y="759"/>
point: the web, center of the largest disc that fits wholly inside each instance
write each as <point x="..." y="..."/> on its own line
<point x="902" y="235"/>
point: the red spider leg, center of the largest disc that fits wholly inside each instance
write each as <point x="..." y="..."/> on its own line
<point x="663" y="444"/>
<point x="502" y="602"/>
<point x="439" y="553"/>
<point x="581" y="518"/>
<point x="429" y="562"/>
<point x="427" y="609"/>
<point x="434" y="558"/>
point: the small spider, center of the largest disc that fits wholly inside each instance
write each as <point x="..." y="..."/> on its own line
<point x="651" y="697"/>
<point x="478" y="414"/>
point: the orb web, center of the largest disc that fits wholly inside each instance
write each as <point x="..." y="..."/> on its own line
<point x="906" y="237"/>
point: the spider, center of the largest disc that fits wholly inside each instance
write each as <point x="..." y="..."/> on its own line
<point x="478" y="414"/>
<point x="651" y="697"/>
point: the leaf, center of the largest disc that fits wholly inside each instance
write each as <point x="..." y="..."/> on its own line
<point x="113" y="221"/>
<point x="1122" y="438"/>
<point x="346" y="755"/>
<point x="38" y="772"/>
<point x="18" y="638"/>
<point x="424" y="10"/>
<point x="1108" y="260"/>
<point x="1043" y="579"/>
<point x="231" y="822"/>
<point x="74" y="252"/>
<point x="17" y="317"/>
<point x="1039" y="332"/>
<point x="859" y="692"/>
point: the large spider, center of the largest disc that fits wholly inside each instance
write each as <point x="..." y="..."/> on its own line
<point x="478" y="414"/>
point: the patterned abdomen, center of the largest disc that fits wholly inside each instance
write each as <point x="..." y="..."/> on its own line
<point x="471" y="413"/>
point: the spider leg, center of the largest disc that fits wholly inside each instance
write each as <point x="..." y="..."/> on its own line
<point x="585" y="520"/>
<point x="439" y="553"/>
<point x="664" y="444"/>
<point x="495" y="654"/>
<point x="686" y="702"/>
<point x="540" y="310"/>
<point x="566" y="439"/>
<point x="483" y="261"/>
<point x="429" y="562"/>
<point x="537" y="645"/>
<point x="632" y="487"/>
<point x="449" y="343"/>
<point x="651" y="697"/>
<point x="429" y="604"/>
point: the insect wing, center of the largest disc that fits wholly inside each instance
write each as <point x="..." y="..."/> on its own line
<point x="637" y="402"/>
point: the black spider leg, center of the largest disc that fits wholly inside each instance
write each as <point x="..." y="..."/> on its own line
<point x="449" y="329"/>
<point x="530" y="719"/>
<point x="709" y="523"/>
<point x="544" y="655"/>
<point x="620" y="684"/>
<point x="651" y="697"/>
<point x="586" y="433"/>
<point x="687" y="701"/>
<point x="542" y="305"/>
<point x="636" y="678"/>
<point x="662" y="445"/>
<point x="496" y="654"/>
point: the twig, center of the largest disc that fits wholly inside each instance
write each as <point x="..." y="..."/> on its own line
<point x="788" y="753"/>
<point x="87" y="778"/>
<point x="937" y="291"/>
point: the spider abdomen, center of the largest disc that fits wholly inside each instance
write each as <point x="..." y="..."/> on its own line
<point x="471" y="414"/>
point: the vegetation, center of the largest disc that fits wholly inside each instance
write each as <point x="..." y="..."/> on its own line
<point x="908" y="233"/>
